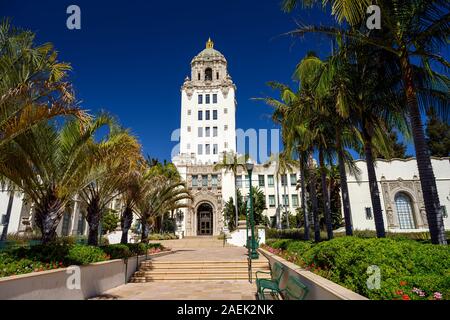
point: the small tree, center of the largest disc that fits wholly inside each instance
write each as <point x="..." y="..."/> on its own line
<point x="438" y="135"/>
<point x="110" y="221"/>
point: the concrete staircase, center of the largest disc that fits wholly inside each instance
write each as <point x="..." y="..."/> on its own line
<point x="152" y="270"/>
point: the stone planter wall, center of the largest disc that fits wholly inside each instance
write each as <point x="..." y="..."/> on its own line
<point x="319" y="287"/>
<point x="95" y="279"/>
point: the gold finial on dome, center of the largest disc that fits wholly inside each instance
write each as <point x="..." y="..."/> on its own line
<point x="209" y="44"/>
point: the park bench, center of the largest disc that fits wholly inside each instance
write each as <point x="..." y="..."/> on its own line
<point x="294" y="290"/>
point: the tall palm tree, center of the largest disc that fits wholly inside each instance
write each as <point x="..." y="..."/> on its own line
<point x="232" y="162"/>
<point x="113" y="158"/>
<point x="33" y="83"/>
<point x="412" y="30"/>
<point x="49" y="165"/>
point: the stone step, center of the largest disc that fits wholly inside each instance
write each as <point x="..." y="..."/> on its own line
<point x="199" y="277"/>
<point x="200" y="267"/>
<point x="197" y="271"/>
<point x="214" y="262"/>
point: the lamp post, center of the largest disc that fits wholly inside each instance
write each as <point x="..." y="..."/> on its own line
<point x="253" y="253"/>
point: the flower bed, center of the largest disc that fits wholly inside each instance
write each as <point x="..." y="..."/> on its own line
<point x="60" y="255"/>
<point x="409" y="270"/>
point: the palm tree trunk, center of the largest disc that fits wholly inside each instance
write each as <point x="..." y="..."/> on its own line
<point x="93" y="218"/>
<point x="303" y="195"/>
<point x="325" y="198"/>
<point x="144" y="234"/>
<point x="285" y="198"/>
<point x="373" y="185"/>
<point x="125" y="223"/>
<point x="47" y="217"/>
<point x="314" y="205"/>
<point x="344" y="186"/>
<point x="427" y="179"/>
<point x="7" y="217"/>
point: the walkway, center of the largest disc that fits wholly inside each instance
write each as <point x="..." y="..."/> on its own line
<point x="191" y="250"/>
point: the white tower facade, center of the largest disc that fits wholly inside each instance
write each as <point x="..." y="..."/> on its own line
<point x="208" y="108"/>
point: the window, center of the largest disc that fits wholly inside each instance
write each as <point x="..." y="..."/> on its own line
<point x="207" y="114"/>
<point x="295" y="200"/>
<point x="207" y="99"/>
<point x="225" y="128"/>
<point x="369" y="213"/>
<point x="204" y="180"/>
<point x="188" y="146"/>
<point x="444" y="212"/>
<point x="200" y="115"/>
<point x="214" y="131"/>
<point x="200" y="132"/>
<point x="199" y="76"/>
<point x="239" y="181"/>
<point x="247" y="181"/>
<point x="208" y="74"/>
<point x="217" y="75"/>
<point x="194" y="181"/>
<point x="271" y="201"/>
<point x="214" y="180"/>
<point x="214" y="114"/>
<point x="200" y="149"/>
<point x="293" y="179"/>
<point x="284" y="180"/>
<point x="207" y="149"/>
<point x="285" y="200"/>
<point x="270" y="181"/>
<point x="189" y="112"/>
<point x="189" y="129"/>
<point x="200" y="99"/>
<point x="207" y="131"/>
<point x="81" y="224"/>
<point x="215" y="98"/>
<point x="225" y="110"/>
<point x="215" y="151"/>
<point x="225" y="145"/>
<point x="65" y="224"/>
<point x="261" y="180"/>
<point x="404" y="211"/>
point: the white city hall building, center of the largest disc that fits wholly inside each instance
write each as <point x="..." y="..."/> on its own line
<point x="208" y="129"/>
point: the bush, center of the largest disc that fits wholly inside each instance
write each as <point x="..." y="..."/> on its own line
<point x="117" y="251"/>
<point x="137" y="248"/>
<point x="81" y="254"/>
<point x="295" y="234"/>
<point x="406" y="266"/>
<point x="163" y="236"/>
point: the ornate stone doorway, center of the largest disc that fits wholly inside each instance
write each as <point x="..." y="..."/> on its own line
<point x="205" y="220"/>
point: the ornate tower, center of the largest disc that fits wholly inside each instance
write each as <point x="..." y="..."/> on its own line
<point x="208" y="108"/>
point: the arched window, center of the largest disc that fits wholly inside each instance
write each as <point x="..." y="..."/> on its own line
<point x="404" y="211"/>
<point x="199" y="76"/>
<point x="217" y="75"/>
<point x="208" y="74"/>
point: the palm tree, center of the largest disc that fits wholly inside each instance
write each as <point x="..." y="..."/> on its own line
<point x="160" y="195"/>
<point x="233" y="162"/>
<point x="113" y="158"/>
<point x="33" y="85"/>
<point x="49" y="166"/>
<point x="412" y="30"/>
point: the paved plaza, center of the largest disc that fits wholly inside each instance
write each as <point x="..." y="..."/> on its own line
<point x="194" y="250"/>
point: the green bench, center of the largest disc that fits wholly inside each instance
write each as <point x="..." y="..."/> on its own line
<point x="294" y="290"/>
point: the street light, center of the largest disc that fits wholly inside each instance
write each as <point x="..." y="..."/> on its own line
<point x="253" y="253"/>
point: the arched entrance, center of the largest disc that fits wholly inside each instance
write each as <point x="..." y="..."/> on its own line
<point x="205" y="220"/>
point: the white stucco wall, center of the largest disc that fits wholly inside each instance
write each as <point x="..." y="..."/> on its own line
<point x="393" y="171"/>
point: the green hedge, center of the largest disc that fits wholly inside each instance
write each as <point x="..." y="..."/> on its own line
<point x="407" y="267"/>
<point x="162" y="236"/>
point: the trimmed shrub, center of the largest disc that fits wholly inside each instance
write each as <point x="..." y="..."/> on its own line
<point x="137" y="248"/>
<point x="81" y="254"/>
<point x="117" y="251"/>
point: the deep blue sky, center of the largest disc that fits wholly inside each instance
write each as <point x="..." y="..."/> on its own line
<point x="131" y="57"/>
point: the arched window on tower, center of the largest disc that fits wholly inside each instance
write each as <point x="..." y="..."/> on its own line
<point x="217" y="75"/>
<point x="208" y="74"/>
<point x="404" y="211"/>
<point x="199" y="76"/>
